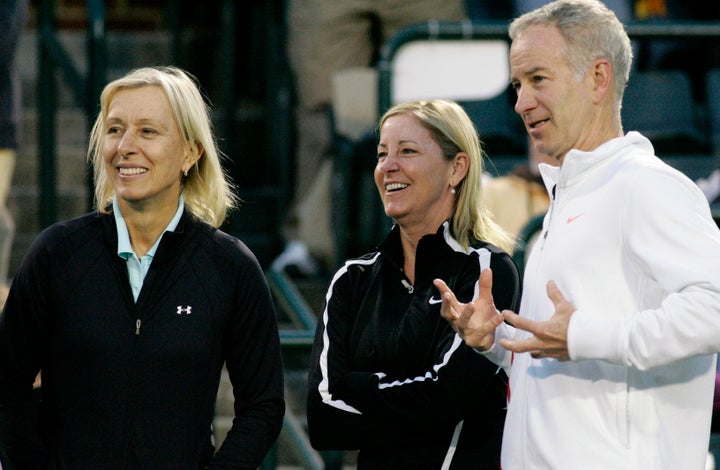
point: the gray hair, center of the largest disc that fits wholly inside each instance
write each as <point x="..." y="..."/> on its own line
<point x="591" y="31"/>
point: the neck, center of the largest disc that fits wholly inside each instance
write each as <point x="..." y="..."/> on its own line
<point x="409" y="242"/>
<point x="145" y="227"/>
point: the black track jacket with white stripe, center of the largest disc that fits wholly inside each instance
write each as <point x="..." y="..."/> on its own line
<point x="390" y="377"/>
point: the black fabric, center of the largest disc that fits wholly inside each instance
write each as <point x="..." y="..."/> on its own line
<point x="382" y="338"/>
<point x="128" y="384"/>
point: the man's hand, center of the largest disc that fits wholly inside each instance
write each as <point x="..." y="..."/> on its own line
<point x="549" y="337"/>
<point x="475" y="321"/>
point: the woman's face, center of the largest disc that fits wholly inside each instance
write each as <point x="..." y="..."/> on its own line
<point x="412" y="176"/>
<point x="143" y="151"/>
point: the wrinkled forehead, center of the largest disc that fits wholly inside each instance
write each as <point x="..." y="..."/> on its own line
<point x="537" y="48"/>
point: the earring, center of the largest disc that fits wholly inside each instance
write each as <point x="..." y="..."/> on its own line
<point x="452" y="190"/>
<point x="185" y="172"/>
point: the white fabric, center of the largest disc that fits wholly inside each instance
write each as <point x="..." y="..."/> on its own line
<point x="632" y="245"/>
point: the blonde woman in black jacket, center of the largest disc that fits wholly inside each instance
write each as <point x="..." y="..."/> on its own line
<point x="132" y="311"/>
<point x="389" y="376"/>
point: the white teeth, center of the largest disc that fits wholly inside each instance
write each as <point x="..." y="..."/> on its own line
<point x="394" y="186"/>
<point x="131" y="171"/>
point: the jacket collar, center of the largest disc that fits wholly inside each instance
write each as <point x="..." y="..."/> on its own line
<point x="577" y="162"/>
<point x="186" y="226"/>
<point x="428" y="245"/>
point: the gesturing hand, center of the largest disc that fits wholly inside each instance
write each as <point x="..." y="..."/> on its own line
<point x="549" y="337"/>
<point x="475" y="321"/>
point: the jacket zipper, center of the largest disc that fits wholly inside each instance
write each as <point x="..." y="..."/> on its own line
<point x="552" y="210"/>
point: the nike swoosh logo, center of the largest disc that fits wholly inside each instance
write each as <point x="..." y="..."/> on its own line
<point x="432" y="300"/>
<point x="573" y="219"/>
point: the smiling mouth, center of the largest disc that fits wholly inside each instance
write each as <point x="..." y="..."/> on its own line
<point x="395" y="187"/>
<point x="131" y="171"/>
<point x="537" y="123"/>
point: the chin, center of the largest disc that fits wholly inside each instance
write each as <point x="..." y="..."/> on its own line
<point x="394" y="213"/>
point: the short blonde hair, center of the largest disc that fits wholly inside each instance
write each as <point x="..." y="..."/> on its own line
<point x="453" y="130"/>
<point x="207" y="191"/>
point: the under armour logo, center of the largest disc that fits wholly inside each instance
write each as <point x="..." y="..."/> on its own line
<point x="186" y="310"/>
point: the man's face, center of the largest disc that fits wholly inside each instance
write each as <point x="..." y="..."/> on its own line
<point x="554" y="104"/>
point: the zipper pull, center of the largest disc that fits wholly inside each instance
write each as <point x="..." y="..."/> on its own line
<point x="407" y="286"/>
<point x="137" y="327"/>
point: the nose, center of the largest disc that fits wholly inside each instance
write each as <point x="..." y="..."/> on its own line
<point x="387" y="164"/>
<point x="524" y="101"/>
<point x="126" y="145"/>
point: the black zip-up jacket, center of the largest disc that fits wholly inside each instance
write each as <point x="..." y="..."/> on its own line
<point x="390" y="377"/>
<point x="133" y="385"/>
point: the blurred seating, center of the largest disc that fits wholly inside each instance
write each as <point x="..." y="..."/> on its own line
<point x="501" y="131"/>
<point x="712" y="94"/>
<point x="659" y="104"/>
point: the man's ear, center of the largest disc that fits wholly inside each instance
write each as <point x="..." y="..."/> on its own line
<point x="603" y="80"/>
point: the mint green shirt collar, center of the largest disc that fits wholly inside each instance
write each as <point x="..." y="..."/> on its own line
<point x="138" y="267"/>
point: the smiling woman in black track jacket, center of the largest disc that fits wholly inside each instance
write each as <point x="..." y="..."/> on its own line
<point x="132" y="311"/>
<point x="389" y="376"/>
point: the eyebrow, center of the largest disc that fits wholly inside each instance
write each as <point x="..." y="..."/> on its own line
<point x="112" y="120"/>
<point x="406" y="141"/>
<point x="531" y="71"/>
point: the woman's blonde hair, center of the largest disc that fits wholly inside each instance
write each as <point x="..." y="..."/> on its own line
<point x="453" y="130"/>
<point x="207" y="191"/>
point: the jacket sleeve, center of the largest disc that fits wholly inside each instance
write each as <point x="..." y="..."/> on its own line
<point x="254" y="363"/>
<point x="673" y="244"/>
<point x="505" y="276"/>
<point x="23" y="327"/>
<point x="352" y="409"/>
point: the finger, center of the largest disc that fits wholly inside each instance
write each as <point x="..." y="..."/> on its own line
<point x="520" y="322"/>
<point x="441" y="286"/>
<point x="550" y="354"/>
<point x="494" y="322"/>
<point x="486" y="281"/>
<point x="444" y="290"/>
<point x="554" y="293"/>
<point x="483" y="337"/>
<point x="448" y="309"/>
<point x="521" y="345"/>
<point x="465" y="315"/>
<point x="512" y="317"/>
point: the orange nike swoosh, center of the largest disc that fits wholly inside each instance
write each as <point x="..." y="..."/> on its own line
<point x="572" y="219"/>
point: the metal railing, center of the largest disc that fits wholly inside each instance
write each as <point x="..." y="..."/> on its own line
<point x="453" y="30"/>
<point x="52" y="57"/>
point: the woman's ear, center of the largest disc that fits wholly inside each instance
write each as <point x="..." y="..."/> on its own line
<point x="460" y="166"/>
<point x="192" y="155"/>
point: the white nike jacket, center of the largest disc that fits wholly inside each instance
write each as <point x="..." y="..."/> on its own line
<point x="632" y="245"/>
